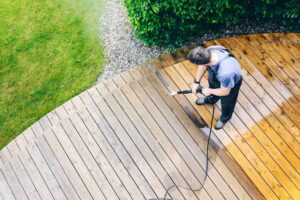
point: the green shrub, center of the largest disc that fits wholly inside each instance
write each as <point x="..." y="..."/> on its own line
<point x="171" y="22"/>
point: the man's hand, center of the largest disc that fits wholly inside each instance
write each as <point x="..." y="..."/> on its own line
<point x="206" y="91"/>
<point x="195" y="87"/>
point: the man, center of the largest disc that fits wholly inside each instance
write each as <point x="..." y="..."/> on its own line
<point x="224" y="79"/>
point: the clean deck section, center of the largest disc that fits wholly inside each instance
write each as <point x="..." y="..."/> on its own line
<point x="263" y="135"/>
<point x="126" y="138"/>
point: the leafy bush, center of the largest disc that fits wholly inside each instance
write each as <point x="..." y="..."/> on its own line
<point x="170" y="22"/>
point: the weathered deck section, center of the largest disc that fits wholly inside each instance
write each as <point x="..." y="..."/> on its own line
<point x="263" y="135"/>
<point x="126" y="138"/>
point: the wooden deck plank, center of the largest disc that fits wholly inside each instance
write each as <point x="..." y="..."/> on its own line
<point x="78" y="122"/>
<point x="273" y="38"/>
<point x="21" y="141"/>
<point x="46" y="173"/>
<point x="154" y="65"/>
<point x="13" y="148"/>
<point x="287" y="56"/>
<point x="247" y="39"/>
<point x="141" y="143"/>
<point x="294" y="38"/>
<point x="92" y="166"/>
<point x="5" y="155"/>
<point x="118" y="81"/>
<point x="292" y="50"/>
<point x="67" y="165"/>
<point x="114" y="160"/>
<point x="1" y="162"/>
<point x="77" y="162"/>
<point x="226" y="140"/>
<point x="286" y="67"/>
<point x="178" y="55"/>
<point x="137" y="157"/>
<point x="69" y="107"/>
<point x="37" y="129"/>
<point x="165" y="60"/>
<point x="53" y="118"/>
<point x="57" y="169"/>
<point x="13" y="182"/>
<point x="102" y="89"/>
<point x="24" y="179"/>
<point x="61" y="112"/>
<point x="35" y="176"/>
<point x="29" y="135"/>
<point x="104" y="126"/>
<point x="110" y="85"/>
<point x="45" y="123"/>
<point x="5" y="191"/>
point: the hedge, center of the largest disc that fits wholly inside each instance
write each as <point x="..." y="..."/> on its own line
<point x="171" y="22"/>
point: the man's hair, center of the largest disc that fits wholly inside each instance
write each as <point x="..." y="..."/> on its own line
<point x="199" y="56"/>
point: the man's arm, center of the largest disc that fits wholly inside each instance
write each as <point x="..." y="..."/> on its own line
<point x="227" y="82"/>
<point x="200" y="72"/>
<point x="218" y="91"/>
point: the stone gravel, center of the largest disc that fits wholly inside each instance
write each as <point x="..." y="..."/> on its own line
<point x="123" y="50"/>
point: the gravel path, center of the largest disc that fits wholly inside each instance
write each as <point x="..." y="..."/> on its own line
<point x="123" y="50"/>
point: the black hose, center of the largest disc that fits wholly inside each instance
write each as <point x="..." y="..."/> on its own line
<point x="206" y="166"/>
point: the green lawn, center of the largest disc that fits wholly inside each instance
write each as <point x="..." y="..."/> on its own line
<point x="49" y="52"/>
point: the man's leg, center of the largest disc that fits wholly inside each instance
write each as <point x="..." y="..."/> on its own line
<point x="228" y="103"/>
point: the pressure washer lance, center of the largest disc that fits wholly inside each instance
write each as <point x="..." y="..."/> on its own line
<point x="199" y="90"/>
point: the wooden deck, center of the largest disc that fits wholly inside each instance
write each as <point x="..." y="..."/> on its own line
<point x="126" y="138"/>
